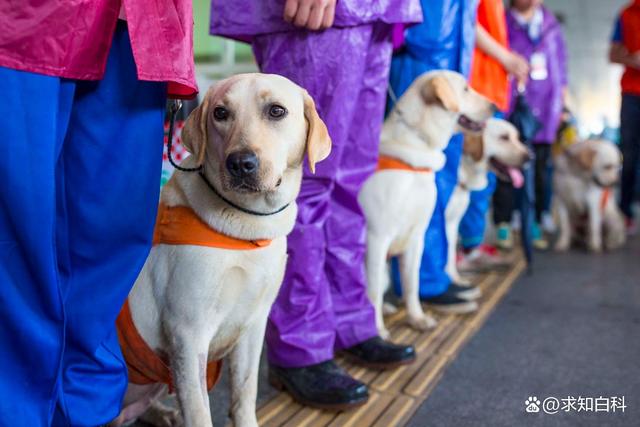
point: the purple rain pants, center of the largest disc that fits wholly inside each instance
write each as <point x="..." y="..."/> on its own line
<point x="323" y="303"/>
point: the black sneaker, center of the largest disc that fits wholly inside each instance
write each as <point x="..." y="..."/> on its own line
<point x="378" y="353"/>
<point x="324" y="386"/>
<point x="468" y="293"/>
<point x="449" y="302"/>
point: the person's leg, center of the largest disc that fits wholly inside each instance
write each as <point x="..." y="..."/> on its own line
<point x="630" y="146"/>
<point x="111" y="165"/>
<point x="503" y="201"/>
<point x="434" y="280"/>
<point x="473" y="222"/>
<point x="301" y="328"/>
<point x="35" y="113"/>
<point x="346" y="228"/>
<point x="542" y="153"/>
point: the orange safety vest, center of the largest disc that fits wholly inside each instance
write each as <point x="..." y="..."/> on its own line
<point x="175" y="225"/>
<point x="390" y="163"/>
<point x="630" y="20"/>
<point x="488" y="77"/>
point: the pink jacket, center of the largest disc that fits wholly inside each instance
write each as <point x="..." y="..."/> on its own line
<point x="71" y="39"/>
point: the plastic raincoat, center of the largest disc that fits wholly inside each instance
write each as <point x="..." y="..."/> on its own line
<point x="322" y="304"/>
<point x="445" y="40"/>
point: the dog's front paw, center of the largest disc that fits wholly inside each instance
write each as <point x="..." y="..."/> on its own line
<point x="389" y="309"/>
<point x="160" y="415"/>
<point x="384" y="333"/>
<point x="561" y="246"/>
<point x="423" y="322"/>
<point x="595" y="247"/>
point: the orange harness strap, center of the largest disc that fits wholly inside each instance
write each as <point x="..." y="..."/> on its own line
<point x="179" y="225"/>
<point x="390" y="163"/>
<point x="606" y="195"/>
<point x="143" y="364"/>
<point x="176" y="225"/>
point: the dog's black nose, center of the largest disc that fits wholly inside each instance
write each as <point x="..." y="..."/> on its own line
<point x="242" y="164"/>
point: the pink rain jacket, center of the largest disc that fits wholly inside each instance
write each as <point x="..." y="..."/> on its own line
<point x="71" y="39"/>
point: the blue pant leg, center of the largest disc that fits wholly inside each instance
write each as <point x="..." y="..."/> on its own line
<point x="112" y="163"/>
<point x="474" y="221"/>
<point x="35" y="112"/>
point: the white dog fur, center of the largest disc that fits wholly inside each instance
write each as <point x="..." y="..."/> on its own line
<point x="499" y="144"/>
<point x="581" y="176"/>
<point x="398" y="204"/>
<point x="198" y="304"/>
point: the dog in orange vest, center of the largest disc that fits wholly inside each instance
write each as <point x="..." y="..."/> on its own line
<point x="219" y="250"/>
<point x="399" y="199"/>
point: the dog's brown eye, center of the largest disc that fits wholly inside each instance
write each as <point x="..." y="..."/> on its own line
<point x="504" y="138"/>
<point x="220" y="114"/>
<point x="277" y="111"/>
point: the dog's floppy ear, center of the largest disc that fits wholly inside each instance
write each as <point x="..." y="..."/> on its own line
<point x="473" y="146"/>
<point x="438" y="89"/>
<point x="194" y="132"/>
<point x="318" y="139"/>
<point x="585" y="157"/>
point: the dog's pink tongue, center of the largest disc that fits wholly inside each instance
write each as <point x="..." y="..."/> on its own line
<point x="516" y="177"/>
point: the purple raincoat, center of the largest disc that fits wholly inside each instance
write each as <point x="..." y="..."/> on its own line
<point x="323" y="303"/>
<point x="544" y="95"/>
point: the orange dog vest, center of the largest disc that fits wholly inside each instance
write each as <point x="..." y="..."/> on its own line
<point x="390" y="163"/>
<point x="176" y="225"/>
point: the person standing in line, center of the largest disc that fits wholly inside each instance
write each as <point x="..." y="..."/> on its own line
<point x="339" y="51"/>
<point x="444" y="40"/>
<point x="492" y="66"/>
<point x="625" y="50"/>
<point x="536" y="34"/>
<point x="85" y="86"/>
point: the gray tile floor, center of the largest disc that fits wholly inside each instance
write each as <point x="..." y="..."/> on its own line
<point x="570" y="329"/>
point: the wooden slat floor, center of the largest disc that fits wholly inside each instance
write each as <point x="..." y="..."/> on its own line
<point x="396" y="394"/>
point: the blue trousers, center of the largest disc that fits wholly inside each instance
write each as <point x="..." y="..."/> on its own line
<point x="80" y="172"/>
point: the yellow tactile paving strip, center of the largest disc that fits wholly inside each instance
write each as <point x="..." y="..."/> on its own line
<point x="396" y="394"/>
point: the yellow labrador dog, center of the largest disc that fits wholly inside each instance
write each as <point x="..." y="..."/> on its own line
<point x="194" y="304"/>
<point x="583" y="201"/>
<point x="398" y="200"/>
<point x="498" y="148"/>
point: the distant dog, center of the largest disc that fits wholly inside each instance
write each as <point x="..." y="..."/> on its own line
<point x="583" y="200"/>
<point x="499" y="149"/>
<point x="218" y="261"/>
<point x="398" y="200"/>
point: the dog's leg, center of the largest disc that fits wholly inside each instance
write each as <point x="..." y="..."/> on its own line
<point x="615" y="235"/>
<point x="410" y="275"/>
<point x="244" y="363"/>
<point x="564" y="226"/>
<point x="595" y="225"/>
<point x="376" y="269"/>
<point x="189" y="368"/>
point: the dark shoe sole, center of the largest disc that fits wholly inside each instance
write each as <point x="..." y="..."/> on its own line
<point x="281" y="386"/>
<point x="377" y="365"/>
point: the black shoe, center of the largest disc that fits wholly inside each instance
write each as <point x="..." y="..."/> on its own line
<point x="324" y="386"/>
<point x="468" y="293"/>
<point x="378" y="353"/>
<point x="449" y="302"/>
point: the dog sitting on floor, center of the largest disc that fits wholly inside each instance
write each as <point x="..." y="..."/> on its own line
<point x="398" y="200"/>
<point x="499" y="149"/>
<point x="219" y="250"/>
<point x="583" y="202"/>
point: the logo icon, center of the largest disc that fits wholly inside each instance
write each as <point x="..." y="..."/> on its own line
<point x="532" y="404"/>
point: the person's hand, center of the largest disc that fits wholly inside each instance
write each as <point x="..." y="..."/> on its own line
<point x="517" y="66"/>
<point x="310" y="14"/>
<point x="634" y="60"/>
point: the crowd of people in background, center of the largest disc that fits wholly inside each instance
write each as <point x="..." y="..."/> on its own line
<point x="69" y="252"/>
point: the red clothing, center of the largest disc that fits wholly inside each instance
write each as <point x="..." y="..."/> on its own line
<point x="71" y="39"/>
<point x="488" y="76"/>
<point x="630" y="23"/>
